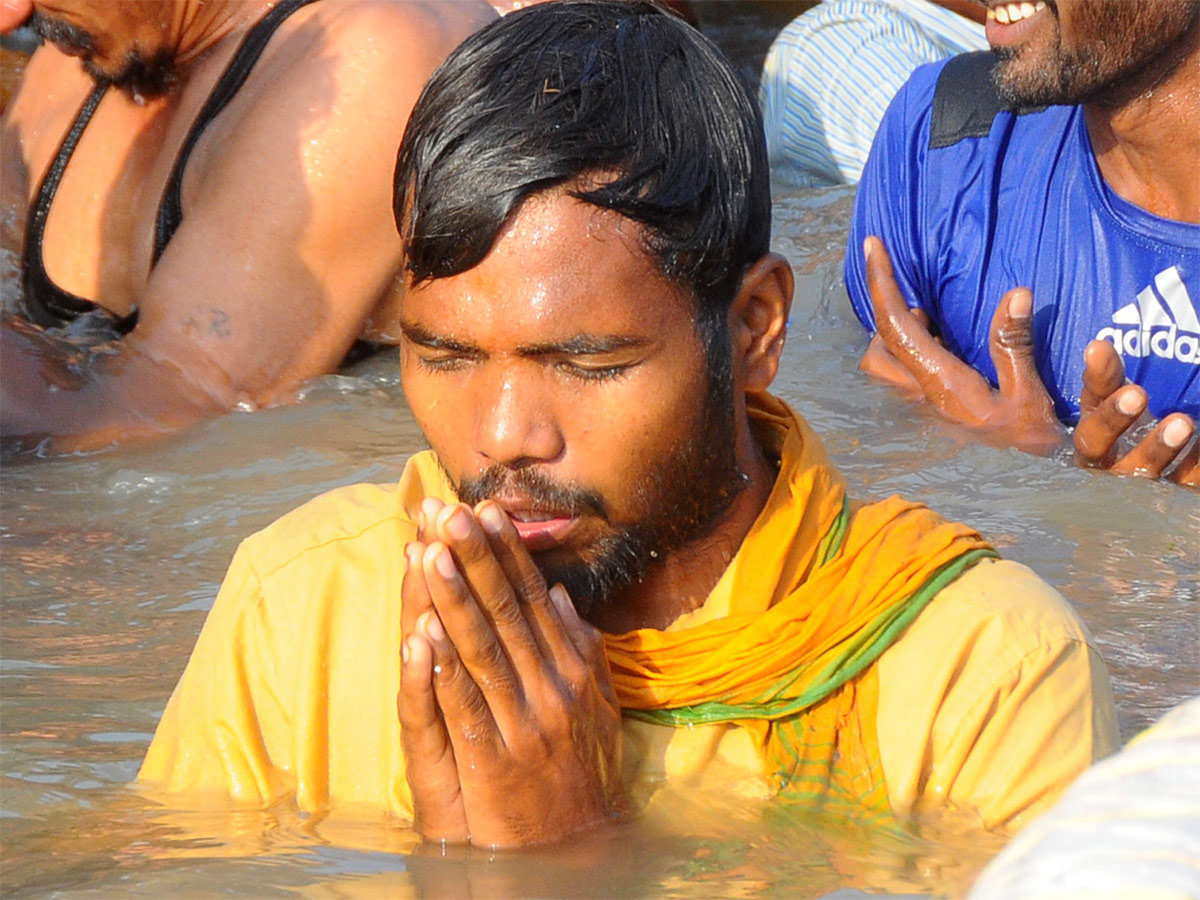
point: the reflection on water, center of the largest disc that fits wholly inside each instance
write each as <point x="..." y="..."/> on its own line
<point x="111" y="561"/>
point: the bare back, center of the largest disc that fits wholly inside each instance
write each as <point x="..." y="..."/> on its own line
<point x="287" y="251"/>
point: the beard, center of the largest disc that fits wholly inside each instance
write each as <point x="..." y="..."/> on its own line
<point x="1122" y="48"/>
<point x="684" y="498"/>
<point x="137" y="75"/>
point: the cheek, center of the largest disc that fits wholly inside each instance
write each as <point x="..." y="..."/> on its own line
<point x="439" y="411"/>
<point x="622" y="440"/>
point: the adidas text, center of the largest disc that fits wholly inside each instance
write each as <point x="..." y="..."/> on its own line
<point x="1167" y="343"/>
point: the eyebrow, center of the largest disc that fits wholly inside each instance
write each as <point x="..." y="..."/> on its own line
<point x="577" y="345"/>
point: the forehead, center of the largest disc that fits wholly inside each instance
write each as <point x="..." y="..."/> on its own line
<point x="559" y="265"/>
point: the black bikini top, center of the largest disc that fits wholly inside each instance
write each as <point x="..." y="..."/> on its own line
<point x="48" y="305"/>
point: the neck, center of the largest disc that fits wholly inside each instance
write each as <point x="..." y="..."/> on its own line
<point x="1147" y="143"/>
<point x="204" y="26"/>
<point x="682" y="581"/>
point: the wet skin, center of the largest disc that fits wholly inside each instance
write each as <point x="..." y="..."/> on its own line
<point x="1142" y="84"/>
<point x="904" y="353"/>
<point x="567" y="352"/>
<point x="287" y="252"/>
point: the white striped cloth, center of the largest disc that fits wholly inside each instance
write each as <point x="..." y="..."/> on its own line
<point x="830" y="75"/>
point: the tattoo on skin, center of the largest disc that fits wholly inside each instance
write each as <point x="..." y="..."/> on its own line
<point x="219" y="324"/>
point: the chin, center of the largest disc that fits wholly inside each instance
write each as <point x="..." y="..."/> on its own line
<point x="137" y="75"/>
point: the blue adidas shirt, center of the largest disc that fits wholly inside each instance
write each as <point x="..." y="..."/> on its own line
<point x="1024" y="204"/>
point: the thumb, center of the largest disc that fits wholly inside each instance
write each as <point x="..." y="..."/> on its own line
<point x="1012" y="350"/>
<point x="886" y="299"/>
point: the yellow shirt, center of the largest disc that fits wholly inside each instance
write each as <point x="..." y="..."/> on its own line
<point x="991" y="701"/>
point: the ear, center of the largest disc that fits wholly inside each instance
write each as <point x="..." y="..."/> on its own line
<point x="758" y="322"/>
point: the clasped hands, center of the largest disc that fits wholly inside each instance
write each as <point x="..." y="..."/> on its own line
<point x="904" y="353"/>
<point x="510" y="728"/>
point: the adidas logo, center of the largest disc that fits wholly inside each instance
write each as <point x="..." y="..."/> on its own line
<point x="1161" y="323"/>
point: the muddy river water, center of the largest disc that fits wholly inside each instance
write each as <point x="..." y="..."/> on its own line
<point x="110" y="563"/>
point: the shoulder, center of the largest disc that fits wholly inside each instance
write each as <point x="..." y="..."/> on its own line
<point x="1001" y="608"/>
<point x="358" y="54"/>
<point x="414" y="34"/>
<point x="993" y="700"/>
<point x="342" y="515"/>
<point x="851" y="19"/>
<point x="994" y="633"/>
<point x="51" y="91"/>
<point x="359" y="519"/>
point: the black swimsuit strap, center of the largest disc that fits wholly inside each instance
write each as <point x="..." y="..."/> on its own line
<point x="46" y="304"/>
<point x="170" y="209"/>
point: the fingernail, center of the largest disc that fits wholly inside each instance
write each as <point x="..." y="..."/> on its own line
<point x="491" y="518"/>
<point x="432" y="626"/>
<point x="1020" y="305"/>
<point x="456" y="523"/>
<point x="1176" y="433"/>
<point x="558" y="594"/>
<point x="444" y="563"/>
<point x="1130" y="403"/>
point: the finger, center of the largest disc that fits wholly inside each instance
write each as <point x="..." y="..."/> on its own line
<point x="1158" y="449"/>
<point x="427" y="514"/>
<point x="1187" y="471"/>
<point x="494" y="591"/>
<point x="477" y="673"/>
<point x="468" y="708"/>
<point x="414" y="595"/>
<point x="1099" y="430"/>
<point x="430" y="766"/>
<point x="587" y="641"/>
<point x="1011" y="345"/>
<point x="574" y="649"/>
<point x="878" y="362"/>
<point x="945" y="381"/>
<point x="1103" y="374"/>
<point x="543" y="618"/>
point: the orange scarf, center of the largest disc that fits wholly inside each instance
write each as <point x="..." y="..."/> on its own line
<point x="785" y="643"/>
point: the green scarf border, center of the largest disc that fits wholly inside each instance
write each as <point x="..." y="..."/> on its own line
<point x="861" y="650"/>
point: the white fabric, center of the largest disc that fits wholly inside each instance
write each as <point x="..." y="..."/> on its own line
<point x="830" y="75"/>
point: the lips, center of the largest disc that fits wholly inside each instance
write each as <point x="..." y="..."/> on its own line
<point x="539" y="529"/>
<point x="1009" y="22"/>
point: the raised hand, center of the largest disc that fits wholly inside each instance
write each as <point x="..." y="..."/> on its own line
<point x="904" y="353"/>
<point x="1110" y="408"/>
<point x="510" y="726"/>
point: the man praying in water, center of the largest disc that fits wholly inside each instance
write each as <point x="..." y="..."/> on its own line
<point x="618" y="531"/>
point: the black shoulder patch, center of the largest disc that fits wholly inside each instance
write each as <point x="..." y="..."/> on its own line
<point x="965" y="100"/>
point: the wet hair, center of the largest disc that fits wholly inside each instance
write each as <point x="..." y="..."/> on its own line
<point x="624" y="103"/>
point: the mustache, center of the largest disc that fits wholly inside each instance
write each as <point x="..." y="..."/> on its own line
<point x="545" y="494"/>
<point x="58" y="32"/>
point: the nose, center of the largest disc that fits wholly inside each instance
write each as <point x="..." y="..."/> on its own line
<point x="517" y="425"/>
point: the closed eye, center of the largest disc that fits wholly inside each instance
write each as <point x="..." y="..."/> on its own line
<point x="592" y="372"/>
<point x="442" y="362"/>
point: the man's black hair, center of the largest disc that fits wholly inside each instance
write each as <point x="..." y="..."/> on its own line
<point x="624" y="96"/>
